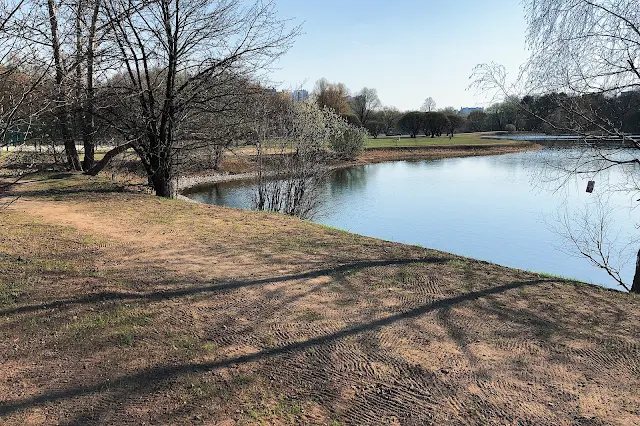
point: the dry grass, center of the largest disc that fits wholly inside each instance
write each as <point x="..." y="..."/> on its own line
<point x="118" y="307"/>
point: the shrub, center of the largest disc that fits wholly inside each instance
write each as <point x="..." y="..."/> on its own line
<point x="349" y="142"/>
<point x="510" y="128"/>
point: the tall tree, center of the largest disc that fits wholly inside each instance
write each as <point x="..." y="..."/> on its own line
<point x="411" y="123"/>
<point x="428" y="105"/>
<point x="389" y="117"/>
<point x="455" y="122"/>
<point x="477" y="121"/>
<point x="20" y="75"/>
<point x="433" y="123"/>
<point x="364" y="103"/>
<point x="176" y="60"/>
<point x="61" y="100"/>
<point x="333" y="96"/>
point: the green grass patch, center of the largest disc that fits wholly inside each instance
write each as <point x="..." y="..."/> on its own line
<point x="406" y="276"/>
<point x="461" y="139"/>
<point x="282" y="409"/>
<point x="310" y="315"/>
<point x="120" y="324"/>
<point x="555" y="276"/>
<point x="9" y="294"/>
<point x="458" y="263"/>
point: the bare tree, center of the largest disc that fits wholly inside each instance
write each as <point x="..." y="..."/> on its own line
<point x="176" y="61"/>
<point x="20" y="76"/>
<point x="65" y="35"/>
<point x="332" y="95"/>
<point x="591" y="233"/>
<point x="292" y="145"/>
<point x="428" y="105"/>
<point x="581" y="49"/>
<point x="364" y="103"/>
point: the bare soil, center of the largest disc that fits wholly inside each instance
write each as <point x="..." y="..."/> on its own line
<point x="123" y="308"/>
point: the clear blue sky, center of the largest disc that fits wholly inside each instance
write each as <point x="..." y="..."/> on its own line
<point x="406" y="49"/>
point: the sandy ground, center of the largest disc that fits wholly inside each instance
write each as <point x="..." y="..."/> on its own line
<point x="122" y="308"/>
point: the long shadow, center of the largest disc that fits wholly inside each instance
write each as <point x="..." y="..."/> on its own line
<point x="82" y="191"/>
<point x="160" y="373"/>
<point x="220" y="287"/>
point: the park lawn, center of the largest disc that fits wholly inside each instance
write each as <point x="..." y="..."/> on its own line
<point x="458" y="139"/>
<point x="120" y="307"/>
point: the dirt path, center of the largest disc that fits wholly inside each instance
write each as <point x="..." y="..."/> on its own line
<point x="120" y="308"/>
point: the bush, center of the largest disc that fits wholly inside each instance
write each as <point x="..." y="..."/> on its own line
<point x="510" y="128"/>
<point x="349" y="142"/>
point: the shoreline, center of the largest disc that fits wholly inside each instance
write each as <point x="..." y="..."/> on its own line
<point x="119" y="303"/>
<point x="371" y="156"/>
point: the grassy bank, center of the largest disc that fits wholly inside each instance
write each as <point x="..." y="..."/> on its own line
<point x="424" y="141"/>
<point x="118" y="307"/>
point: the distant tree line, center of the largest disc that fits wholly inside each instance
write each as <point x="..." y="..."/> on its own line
<point x="526" y="114"/>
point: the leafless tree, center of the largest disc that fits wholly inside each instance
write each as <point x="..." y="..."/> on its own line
<point x="178" y="60"/>
<point x="66" y="36"/>
<point x="20" y="76"/>
<point x="581" y="49"/>
<point x="428" y="105"/>
<point x="364" y="103"/>
<point x="591" y="233"/>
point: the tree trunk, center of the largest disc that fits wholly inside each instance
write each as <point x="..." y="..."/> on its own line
<point x="163" y="185"/>
<point x="218" y="157"/>
<point x="635" y="287"/>
<point x="97" y="167"/>
<point x="62" y="113"/>
<point x="88" y="124"/>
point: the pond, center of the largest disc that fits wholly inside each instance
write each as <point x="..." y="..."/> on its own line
<point x="497" y="208"/>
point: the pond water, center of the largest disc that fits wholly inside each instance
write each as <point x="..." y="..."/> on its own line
<point x="495" y="208"/>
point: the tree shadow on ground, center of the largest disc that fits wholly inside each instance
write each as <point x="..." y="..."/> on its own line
<point x="216" y="287"/>
<point x="151" y="378"/>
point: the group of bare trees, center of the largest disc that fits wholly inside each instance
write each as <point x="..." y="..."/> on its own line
<point x="160" y="77"/>
<point x="358" y="109"/>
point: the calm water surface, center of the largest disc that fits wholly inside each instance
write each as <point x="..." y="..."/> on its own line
<point x="492" y="208"/>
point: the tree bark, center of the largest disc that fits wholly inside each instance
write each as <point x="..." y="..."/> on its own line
<point x="62" y="113"/>
<point x="100" y="165"/>
<point x="163" y="184"/>
<point x="218" y="157"/>
<point x="88" y="124"/>
<point x="635" y="287"/>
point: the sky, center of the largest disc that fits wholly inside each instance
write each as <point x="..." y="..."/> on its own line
<point x="407" y="50"/>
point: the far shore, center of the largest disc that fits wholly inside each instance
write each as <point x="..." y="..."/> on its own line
<point x="373" y="155"/>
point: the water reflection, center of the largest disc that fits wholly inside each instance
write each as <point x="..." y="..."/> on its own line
<point x="490" y="208"/>
<point x="351" y="178"/>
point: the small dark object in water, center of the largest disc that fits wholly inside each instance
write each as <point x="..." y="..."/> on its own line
<point x="590" y="186"/>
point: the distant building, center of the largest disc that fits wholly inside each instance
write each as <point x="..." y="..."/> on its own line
<point x="469" y="110"/>
<point x="299" y="95"/>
